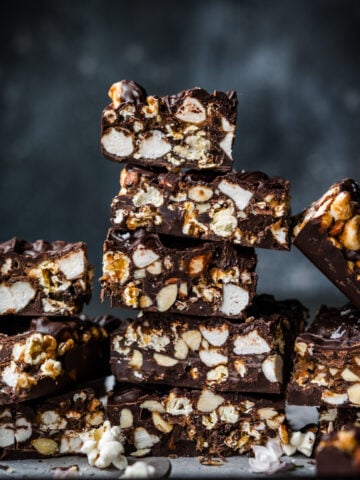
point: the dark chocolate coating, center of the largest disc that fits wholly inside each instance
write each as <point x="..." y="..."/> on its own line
<point x="46" y="355"/>
<point x="221" y="362"/>
<point x="339" y="453"/>
<point x="190" y="430"/>
<point x="191" y="203"/>
<point x="321" y="239"/>
<point x="209" y="279"/>
<point x="60" y="419"/>
<point x="326" y="366"/>
<point x="211" y="118"/>
<point x="39" y="267"/>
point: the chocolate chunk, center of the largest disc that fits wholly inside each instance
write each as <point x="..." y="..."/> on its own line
<point x="193" y="129"/>
<point x="44" y="278"/>
<point x="247" y="208"/>
<point x="252" y="356"/>
<point x="327" y="363"/>
<point x="157" y="273"/>
<point x="160" y="421"/>
<point x="328" y="233"/>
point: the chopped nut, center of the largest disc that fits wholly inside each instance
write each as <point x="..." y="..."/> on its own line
<point x="272" y="368"/>
<point x="126" y="418"/>
<point x="250" y="343"/>
<point x="154" y="144"/>
<point x="350" y="236"/>
<point x="143" y="257"/>
<point x="300" y="348"/>
<point x="349" y="376"/>
<point x="15" y="297"/>
<point x="164" y="360"/>
<point x="166" y="297"/>
<point x="153" y="406"/>
<point x="150" y="196"/>
<point x="212" y="357"/>
<point x="145" y="301"/>
<point x="354" y="393"/>
<point x="160" y="423"/>
<point x="334" y="398"/>
<point x="341" y="208"/>
<point x="155" y="268"/>
<point x="45" y="446"/>
<point x="239" y="195"/>
<point x="65" y="346"/>
<point x="209" y="401"/>
<point x="191" y="111"/>
<point x="183" y="290"/>
<point x="235" y="299"/>
<point x="216" y="336"/>
<point x="136" y="359"/>
<point x="117" y="141"/>
<point x="181" y="349"/>
<point x="192" y="339"/>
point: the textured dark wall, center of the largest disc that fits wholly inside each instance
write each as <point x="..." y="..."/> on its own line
<point x="294" y="64"/>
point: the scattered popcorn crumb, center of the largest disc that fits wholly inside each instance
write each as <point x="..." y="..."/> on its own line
<point x="139" y="470"/>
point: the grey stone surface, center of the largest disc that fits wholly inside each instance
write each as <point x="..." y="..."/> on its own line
<point x="294" y="64"/>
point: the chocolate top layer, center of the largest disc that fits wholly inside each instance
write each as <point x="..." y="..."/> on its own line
<point x="129" y="91"/>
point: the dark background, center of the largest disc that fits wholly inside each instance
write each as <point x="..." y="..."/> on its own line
<point x="294" y="64"/>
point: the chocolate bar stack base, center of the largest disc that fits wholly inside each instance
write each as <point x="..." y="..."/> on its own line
<point x="181" y="249"/>
<point x="180" y="422"/>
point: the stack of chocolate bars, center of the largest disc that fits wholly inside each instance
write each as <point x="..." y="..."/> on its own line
<point x="45" y="348"/>
<point x="203" y="368"/>
<point x="327" y="365"/>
